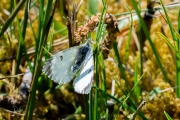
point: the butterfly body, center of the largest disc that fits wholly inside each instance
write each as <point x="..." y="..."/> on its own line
<point x="63" y="66"/>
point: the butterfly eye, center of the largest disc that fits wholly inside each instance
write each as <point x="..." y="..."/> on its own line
<point x="61" y="57"/>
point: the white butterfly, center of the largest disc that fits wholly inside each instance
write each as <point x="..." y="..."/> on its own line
<point x="63" y="66"/>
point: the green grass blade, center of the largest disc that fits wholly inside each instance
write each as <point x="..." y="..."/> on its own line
<point x="31" y="100"/>
<point x="96" y="92"/>
<point x="115" y="111"/>
<point x="129" y="36"/>
<point x="173" y="33"/>
<point x="149" y="40"/>
<point x="167" y="116"/>
<point x="93" y="6"/>
<point x="12" y="16"/>
<point x="177" y="75"/>
<point x="96" y="114"/>
<point x="101" y="23"/>
<point x="45" y="23"/>
<point x="90" y="106"/>
<point x="103" y="76"/>
<point x="137" y="87"/>
<point x="120" y="64"/>
<point x="40" y="21"/>
<point x="168" y="42"/>
<point x="60" y="27"/>
<point x="11" y="10"/>
<point x="127" y="95"/>
<point x="141" y="49"/>
<point x="21" y="45"/>
<point x="169" y="22"/>
<point x="50" y="47"/>
<point x="62" y="8"/>
<point x="120" y="102"/>
<point x="177" y="60"/>
<point x="179" y="23"/>
<point x="95" y="109"/>
<point x="86" y="102"/>
<point x="31" y="21"/>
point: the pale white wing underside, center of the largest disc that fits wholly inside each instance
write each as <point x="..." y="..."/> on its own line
<point x="83" y="82"/>
<point x="58" y="67"/>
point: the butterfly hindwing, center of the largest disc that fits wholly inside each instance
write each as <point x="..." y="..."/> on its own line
<point x="83" y="82"/>
<point x="58" y="67"/>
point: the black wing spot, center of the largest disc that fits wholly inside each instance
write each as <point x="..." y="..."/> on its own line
<point x="81" y="55"/>
<point x="61" y="57"/>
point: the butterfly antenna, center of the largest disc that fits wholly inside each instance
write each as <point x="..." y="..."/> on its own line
<point x="47" y="51"/>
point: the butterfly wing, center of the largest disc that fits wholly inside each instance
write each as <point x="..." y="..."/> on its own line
<point x="83" y="82"/>
<point x="58" y="67"/>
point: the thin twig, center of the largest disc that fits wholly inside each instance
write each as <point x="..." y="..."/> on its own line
<point x="170" y="5"/>
<point x="139" y="107"/>
<point x="12" y="112"/>
<point x="47" y="51"/>
<point x="16" y="113"/>
<point x="12" y="76"/>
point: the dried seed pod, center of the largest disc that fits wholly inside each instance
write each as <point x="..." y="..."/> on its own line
<point x="112" y="29"/>
<point x="91" y="24"/>
<point x="88" y="27"/>
<point x="112" y="25"/>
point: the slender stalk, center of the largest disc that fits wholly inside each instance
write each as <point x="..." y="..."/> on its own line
<point x="98" y="35"/>
<point x="103" y="83"/>
<point x="136" y="89"/>
<point x="178" y="61"/>
<point x="21" y="45"/>
<point x="93" y="6"/>
<point x="11" y="10"/>
<point x="129" y="36"/>
<point x="141" y="48"/>
<point x="167" y="116"/>
<point x="176" y="53"/>
<point x="47" y="23"/>
<point x="12" y="16"/>
<point x="40" y="21"/>
<point x="96" y="92"/>
<point x="120" y="64"/>
<point x="120" y="102"/>
<point x="149" y="40"/>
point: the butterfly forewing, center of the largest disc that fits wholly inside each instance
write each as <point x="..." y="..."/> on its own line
<point x="61" y="67"/>
<point x="58" y="67"/>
